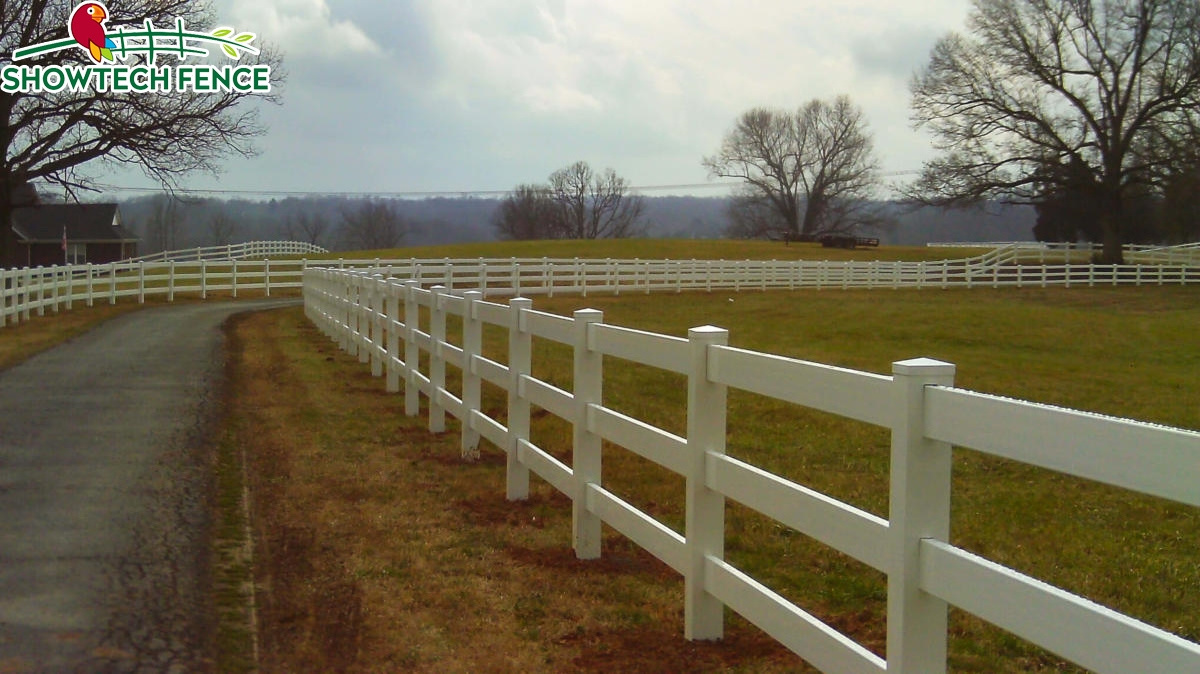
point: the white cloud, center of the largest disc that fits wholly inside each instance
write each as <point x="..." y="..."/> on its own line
<point x="484" y="94"/>
<point x="302" y="27"/>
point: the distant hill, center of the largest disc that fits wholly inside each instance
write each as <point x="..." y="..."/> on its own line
<point x="445" y="220"/>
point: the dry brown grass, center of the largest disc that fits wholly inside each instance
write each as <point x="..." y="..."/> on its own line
<point x="380" y="550"/>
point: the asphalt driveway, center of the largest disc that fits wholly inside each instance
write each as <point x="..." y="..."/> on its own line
<point x="105" y="483"/>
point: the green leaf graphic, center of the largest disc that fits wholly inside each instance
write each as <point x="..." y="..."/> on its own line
<point x="222" y="32"/>
<point x="230" y="50"/>
<point x="244" y="37"/>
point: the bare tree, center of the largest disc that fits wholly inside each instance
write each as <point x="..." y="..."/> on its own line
<point x="1110" y="88"/>
<point x="578" y="203"/>
<point x="51" y="136"/>
<point x="594" y="205"/>
<point x="373" y="224"/>
<point x="528" y="212"/>
<point x="163" y="223"/>
<point x="306" y="226"/>
<point x="221" y="228"/>
<point x="806" y="173"/>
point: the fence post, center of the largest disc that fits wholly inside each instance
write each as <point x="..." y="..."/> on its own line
<point x="41" y="291"/>
<point x="412" y="354"/>
<point x="437" y="363"/>
<point x="112" y="282"/>
<point x="375" y="307"/>
<point x="26" y="294"/>
<point x="585" y="457"/>
<point x="267" y="276"/>
<point x="520" y="363"/>
<point x="391" y="318"/>
<point x="89" y="284"/>
<point x="471" y="383"/>
<point x="233" y="276"/>
<point x="352" y="313"/>
<point x="704" y="527"/>
<point x="54" y="271"/>
<point x="919" y="508"/>
<point x="171" y="281"/>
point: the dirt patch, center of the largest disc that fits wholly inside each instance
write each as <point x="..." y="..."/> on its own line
<point x="493" y="510"/>
<point x="652" y="650"/>
<point x="617" y="557"/>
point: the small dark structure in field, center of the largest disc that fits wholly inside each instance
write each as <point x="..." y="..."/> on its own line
<point x="847" y="241"/>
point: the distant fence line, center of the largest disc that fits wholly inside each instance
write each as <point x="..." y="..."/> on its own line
<point x="27" y="291"/>
<point x="236" y="251"/>
<point x="380" y="320"/>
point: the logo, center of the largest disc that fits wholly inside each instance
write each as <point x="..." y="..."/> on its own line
<point x="106" y="49"/>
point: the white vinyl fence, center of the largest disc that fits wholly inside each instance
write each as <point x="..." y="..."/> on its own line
<point x="236" y="251"/>
<point x="378" y="319"/>
<point x="33" y="292"/>
<point x="1007" y="267"/>
<point x="26" y="291"/>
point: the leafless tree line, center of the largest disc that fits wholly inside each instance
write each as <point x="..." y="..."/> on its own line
<point x="576" y="203"/>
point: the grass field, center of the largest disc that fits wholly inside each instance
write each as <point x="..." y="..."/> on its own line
<point x="362" y="514"/>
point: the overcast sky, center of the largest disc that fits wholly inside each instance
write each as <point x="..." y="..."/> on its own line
<point x="460" y="95"/>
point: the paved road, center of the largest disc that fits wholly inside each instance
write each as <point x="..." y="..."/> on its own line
<point x="104" y="494"/>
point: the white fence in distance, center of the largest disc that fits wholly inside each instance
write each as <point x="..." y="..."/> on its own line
<point x="34" y="292"/>
<point x="236" y="251"/>
<point x="1008" y="267"/>
<point x="26" y="291"/>
<point x="378" y="319"/>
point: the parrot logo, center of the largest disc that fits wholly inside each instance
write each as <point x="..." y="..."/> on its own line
<point x="87" y="28"/>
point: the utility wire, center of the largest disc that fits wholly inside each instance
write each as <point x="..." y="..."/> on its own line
<point x="417" y="193"/>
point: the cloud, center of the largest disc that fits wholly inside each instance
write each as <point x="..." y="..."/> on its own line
<point x="301" y="27"/>
<point x="485" y="94"/>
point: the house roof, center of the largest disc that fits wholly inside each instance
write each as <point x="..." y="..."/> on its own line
<point x="92" y="223"/>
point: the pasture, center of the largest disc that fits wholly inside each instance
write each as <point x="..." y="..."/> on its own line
<point x="429" y="541"/>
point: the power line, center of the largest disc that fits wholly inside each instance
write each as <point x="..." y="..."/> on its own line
<point x="411" y="194"/>
<point x="386" y="194"/>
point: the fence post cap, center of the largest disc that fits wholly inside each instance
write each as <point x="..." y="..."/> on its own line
<point x="588" y="314"/>
<point x="923" y="366"/>
<point x="708" y="331"/>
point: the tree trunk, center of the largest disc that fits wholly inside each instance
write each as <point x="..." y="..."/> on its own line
<point x="1110" y="227"/>
<point x="7" y="239"/>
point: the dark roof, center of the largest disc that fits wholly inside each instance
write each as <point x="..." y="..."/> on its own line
<point x="44" y="223"/>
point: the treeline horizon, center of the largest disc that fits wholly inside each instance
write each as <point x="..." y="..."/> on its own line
<point x="335" y="222"/>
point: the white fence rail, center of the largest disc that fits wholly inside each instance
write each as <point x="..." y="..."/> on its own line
<point x="236" y="251"/>
<point x="1008" y="267"/>
<point x="34" y="292"/>
<point x="378" y="319"/>
<point x="23" y="291"/>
